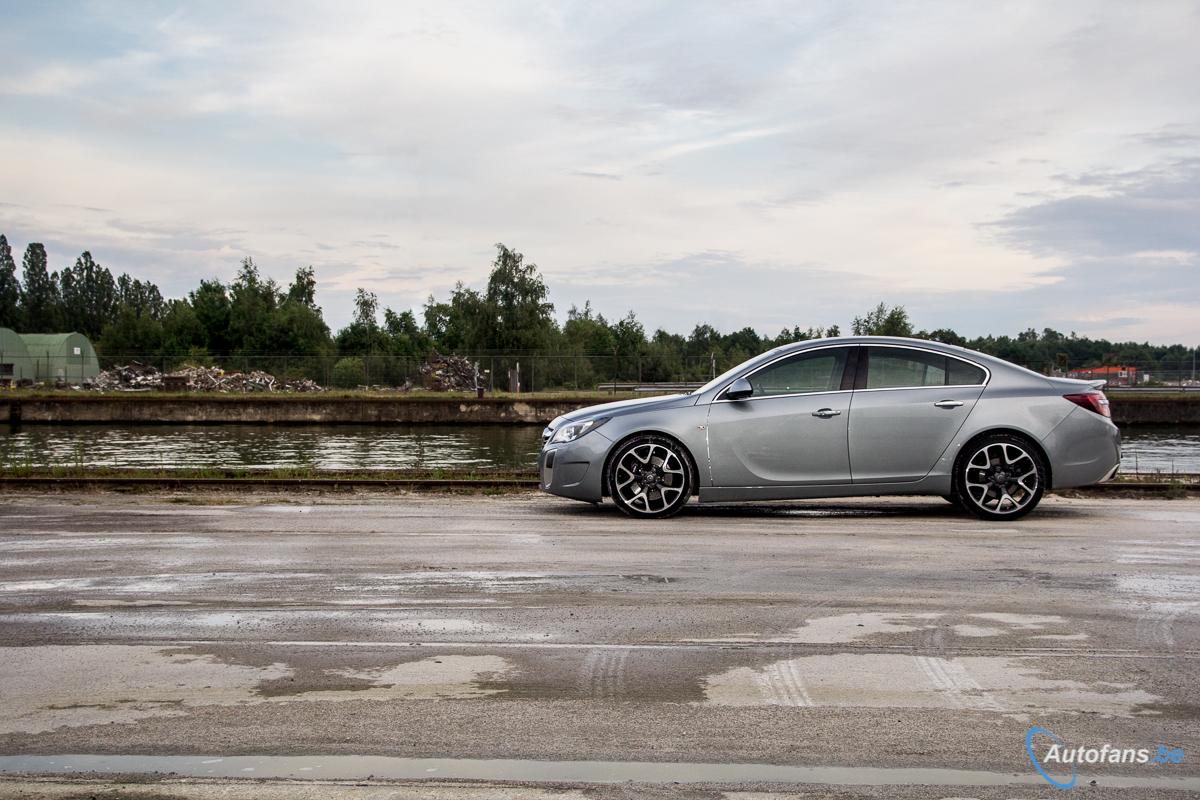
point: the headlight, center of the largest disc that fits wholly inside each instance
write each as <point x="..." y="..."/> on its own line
<point x="573" y="430"/>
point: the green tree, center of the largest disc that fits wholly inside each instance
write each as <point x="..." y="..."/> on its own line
<point x="629" y="340"/>
<point x="131" y="337"/>
<point x="42" y="303"/>
<point x="883" y="321"/>
<point x="516" y="296"/>
<point x="586" y="332"/>
<point x="943" y="335"/>
<point x="303" y="289"/>
<point x="349" y="373"/>
<point x="10" y="288"/>
<point x="407" y="338"/>
<point x="299" y="336"/>
<point x="183" y="335"/>
<point x="252" y="303"/>
<point x="464" y="324"/>
<point x="89" y="296"/>
<point x="210" y="302"/>
<point x="366" y="309"/>
<point x="140" y="297"/>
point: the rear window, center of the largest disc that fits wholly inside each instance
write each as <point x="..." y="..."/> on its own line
<point x="963" y="374"/>
<point x="893" y="368"/>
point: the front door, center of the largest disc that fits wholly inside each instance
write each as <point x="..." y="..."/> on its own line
<point x="791" y="431"/>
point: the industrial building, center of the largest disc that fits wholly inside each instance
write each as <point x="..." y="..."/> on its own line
<point x="1115" y="375"/>
<point x="49" y="357"/>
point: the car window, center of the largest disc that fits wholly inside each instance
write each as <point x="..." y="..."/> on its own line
<point x="816" y="371"/>
<point x="898" y="367"/>
<point x="964" y="374"/>
<point x="894" y="367"/>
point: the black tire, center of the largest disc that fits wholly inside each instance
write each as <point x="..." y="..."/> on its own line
<point x="994" y="477"/>
<point x="650" y="477"/>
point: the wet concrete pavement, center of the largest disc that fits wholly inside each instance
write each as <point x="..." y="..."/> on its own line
<point x="891" y="634"/>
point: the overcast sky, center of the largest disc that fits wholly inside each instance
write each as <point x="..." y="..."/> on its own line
<point x="992" y="166"/>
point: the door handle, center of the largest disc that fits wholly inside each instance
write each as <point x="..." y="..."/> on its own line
<point x="826" y="413"/>
<point x="948" y="403"/>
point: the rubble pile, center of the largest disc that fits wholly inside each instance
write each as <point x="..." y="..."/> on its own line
<point x="449" y="374"/>
<point x="143" y="377"/>
<point x="135" y="376"/>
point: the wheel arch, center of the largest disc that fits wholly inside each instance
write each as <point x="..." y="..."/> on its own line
<point x="1017" y="432"/>
<point x="612" y="451"/>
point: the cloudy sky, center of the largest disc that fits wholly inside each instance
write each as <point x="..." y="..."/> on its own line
<point x="992" y="166"/>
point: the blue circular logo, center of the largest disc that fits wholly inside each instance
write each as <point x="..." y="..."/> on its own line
<point x="1037" y="765"/>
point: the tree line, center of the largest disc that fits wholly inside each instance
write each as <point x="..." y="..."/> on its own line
<point x="254" y="322"/>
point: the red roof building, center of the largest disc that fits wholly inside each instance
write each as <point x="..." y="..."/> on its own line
<point x="1115" y="375"/>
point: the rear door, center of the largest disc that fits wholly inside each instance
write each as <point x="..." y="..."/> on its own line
<point x="792" y="430"/>
<point x="908" y="405"/>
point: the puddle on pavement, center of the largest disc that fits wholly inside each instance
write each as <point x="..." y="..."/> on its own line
<point x="1011" y="686"/>
<point x="50" y="686"/>
<point x="47" y="687"/>
<point x="434" y="678"/>
<point x="854" y="627"/>
<point x="442" y="769"/>
<point x="1161" y="587"/>
<point x="166" y="583"/>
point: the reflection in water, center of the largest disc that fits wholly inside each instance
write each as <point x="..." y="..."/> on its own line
<point x="379" y="447"/>
<point x="357" y="447"/>
<point x="1165" y="449"/>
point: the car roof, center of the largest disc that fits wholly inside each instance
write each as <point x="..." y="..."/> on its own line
<point x="993" y="363"/>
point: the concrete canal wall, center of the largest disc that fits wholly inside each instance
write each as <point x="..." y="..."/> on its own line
<point x="313" y="409"/>
<point x="282" y="410"/>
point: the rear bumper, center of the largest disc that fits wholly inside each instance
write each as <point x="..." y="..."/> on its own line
<point x="1084" y="449"/>
<point x="575" y="470"/>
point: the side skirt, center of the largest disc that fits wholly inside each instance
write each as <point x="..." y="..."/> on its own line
<point x="932" y="484"/>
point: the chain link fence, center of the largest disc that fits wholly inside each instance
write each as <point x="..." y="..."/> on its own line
<point x="526" y="372"/>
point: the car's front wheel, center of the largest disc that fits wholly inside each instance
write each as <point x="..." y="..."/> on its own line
<point x="1000" y="476"/>
<point x="650" y="476"/>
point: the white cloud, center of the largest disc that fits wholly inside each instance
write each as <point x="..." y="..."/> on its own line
<point x="391" y="145"/>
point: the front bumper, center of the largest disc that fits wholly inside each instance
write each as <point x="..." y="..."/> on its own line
<point x="575" y="469"/>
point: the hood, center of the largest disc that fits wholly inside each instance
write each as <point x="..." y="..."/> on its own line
<point x="621" y="407"/>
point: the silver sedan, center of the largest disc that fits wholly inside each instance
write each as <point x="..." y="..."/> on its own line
<point x="843" y="417"/>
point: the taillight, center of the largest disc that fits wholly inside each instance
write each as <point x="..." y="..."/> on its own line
<point x="1092" y="401"/>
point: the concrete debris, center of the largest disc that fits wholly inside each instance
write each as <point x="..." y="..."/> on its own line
<point x="137" y="377"/>
<point x="450" y="374"/>
<point x="132" y="377"/>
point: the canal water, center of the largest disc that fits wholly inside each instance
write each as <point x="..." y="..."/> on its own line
<point x="379" y="447"/>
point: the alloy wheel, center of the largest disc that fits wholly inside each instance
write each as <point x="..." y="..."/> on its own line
<point x="1001" y="478"/>
<point x="649" y="478"/>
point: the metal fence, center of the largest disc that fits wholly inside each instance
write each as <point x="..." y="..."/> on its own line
<point x="539" y="371"/>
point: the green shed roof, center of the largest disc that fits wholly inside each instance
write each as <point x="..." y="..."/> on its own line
<point x="15" y="362"/>
<point x="66" y="357"/>
<point x="51" y="343"/>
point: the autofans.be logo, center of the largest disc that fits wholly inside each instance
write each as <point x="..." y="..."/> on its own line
<point x="1055" y="761"/>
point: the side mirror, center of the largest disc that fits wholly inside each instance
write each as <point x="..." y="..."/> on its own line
<point x="739" y="390"/>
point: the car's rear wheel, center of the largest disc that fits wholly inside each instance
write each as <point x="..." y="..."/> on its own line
<point x="1000" y="476"/>
<point x="650" y="476"/>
